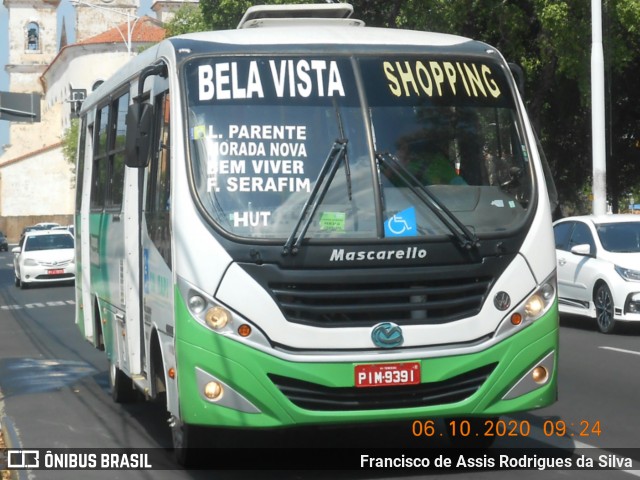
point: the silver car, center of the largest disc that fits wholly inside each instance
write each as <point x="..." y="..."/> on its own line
<point x="44" y="256"/>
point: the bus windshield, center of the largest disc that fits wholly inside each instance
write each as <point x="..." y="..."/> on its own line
<point x="264" y="131"/>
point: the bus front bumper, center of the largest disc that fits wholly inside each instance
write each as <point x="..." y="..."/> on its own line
<point x="222" y="382"/>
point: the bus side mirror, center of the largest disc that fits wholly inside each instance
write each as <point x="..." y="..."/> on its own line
<point x="139" y="126"/>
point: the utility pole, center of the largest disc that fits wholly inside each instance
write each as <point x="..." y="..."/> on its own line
<point x="131" y="22"/>
<point x="598" y="112"/>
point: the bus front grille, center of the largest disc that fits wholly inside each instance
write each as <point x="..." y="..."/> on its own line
<point x="434" y="301"/>
<point x="312" y="396"/>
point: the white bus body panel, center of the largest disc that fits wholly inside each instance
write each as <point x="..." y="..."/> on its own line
<point x="83" y="284"/>
<point x="237" y="287"/>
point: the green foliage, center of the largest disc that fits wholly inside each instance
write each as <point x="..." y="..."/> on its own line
<point x="628" y="14"/>
<point x="188" y="18"/>
<point x="224" y="14"/>
<point x="70" y="141"/>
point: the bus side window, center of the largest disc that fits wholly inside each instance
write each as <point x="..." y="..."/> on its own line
<point x="99" y="171"/>
<point x="158" y="199"/>
<point x="82" y="145"/>
<point x="108" y="169"/>
<point x="117" y="151"/>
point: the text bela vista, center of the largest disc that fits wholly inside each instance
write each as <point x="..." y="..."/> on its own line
<point x="299" y="78"/>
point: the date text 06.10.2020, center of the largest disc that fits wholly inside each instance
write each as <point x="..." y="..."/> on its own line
<point x="507" y="428"/>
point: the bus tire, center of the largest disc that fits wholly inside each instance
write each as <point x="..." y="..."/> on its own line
<point x="475" y="437"/>
<point x="122" y="389"/>
<point x="186" y="440"/>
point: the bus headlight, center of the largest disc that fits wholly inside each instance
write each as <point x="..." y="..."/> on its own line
<point x="207" y="312"/>
<point x="213" y="391"/>
<point x="197" y="304"/>
<point x="540" y="375"/>
<point x="531" y="309"/>
<point x="537" y="303"/>
<point x="534" y="305"/>
<point x="217" y="317"/>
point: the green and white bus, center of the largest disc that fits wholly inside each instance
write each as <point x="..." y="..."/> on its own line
<point x="308" y="221"/>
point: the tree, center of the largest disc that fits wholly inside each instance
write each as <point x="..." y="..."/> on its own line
<point x="70" y="141"/>
<point x="70" y="144"/>
<point x="188" y="18"/>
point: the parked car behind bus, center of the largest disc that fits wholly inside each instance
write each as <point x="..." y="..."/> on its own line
<point x="599" y="267"/>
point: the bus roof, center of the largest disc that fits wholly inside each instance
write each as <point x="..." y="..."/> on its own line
<point x="293" y="33"/>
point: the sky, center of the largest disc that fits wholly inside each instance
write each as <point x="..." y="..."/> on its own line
<point x="66" y="12"/>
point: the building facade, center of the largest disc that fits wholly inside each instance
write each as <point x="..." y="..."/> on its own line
<point x="37" y="183"/>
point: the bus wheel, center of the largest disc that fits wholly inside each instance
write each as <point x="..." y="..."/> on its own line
<point x="122" y="389"/>
<point x="470" y="432"/>
<point x="186" y="440"/>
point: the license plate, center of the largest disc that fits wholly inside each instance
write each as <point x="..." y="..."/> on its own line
<point x="387" y="374"/>
<point x="58" y="271"/>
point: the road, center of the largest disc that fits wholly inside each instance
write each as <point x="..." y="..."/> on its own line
<point x="54" y="394"/>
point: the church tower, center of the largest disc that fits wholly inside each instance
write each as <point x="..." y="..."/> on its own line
<point x="33" y="42"/>
<point x="31" y="163"/>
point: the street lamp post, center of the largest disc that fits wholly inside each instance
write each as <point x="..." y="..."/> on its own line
<point x="598" y="112"/>
<point x="128" y="40"/>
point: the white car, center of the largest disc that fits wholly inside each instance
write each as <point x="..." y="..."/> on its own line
<point x="599" y="267"/>
<point x="68" y="228"/>
<point x="44" y="256"/>
<point x="47" y="225"/>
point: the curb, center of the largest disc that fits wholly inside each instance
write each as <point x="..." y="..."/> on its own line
<point x="12" y="441"/>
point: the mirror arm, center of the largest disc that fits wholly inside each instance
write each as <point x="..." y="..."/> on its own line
<point x="158" y="69"/>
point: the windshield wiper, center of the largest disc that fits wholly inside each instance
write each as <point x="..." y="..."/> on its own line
<point x="347" y="167"/>
<point x="465" y="237"/>
<point x="337" y="152"/>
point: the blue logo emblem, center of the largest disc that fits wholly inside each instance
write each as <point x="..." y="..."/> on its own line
<point x="402" y="224"/>
<point x="387" y="335"/>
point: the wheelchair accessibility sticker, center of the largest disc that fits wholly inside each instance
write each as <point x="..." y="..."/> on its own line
<point x="402" y="224"/>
